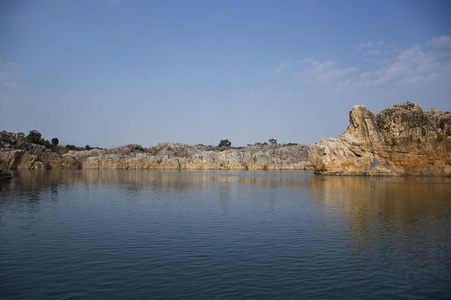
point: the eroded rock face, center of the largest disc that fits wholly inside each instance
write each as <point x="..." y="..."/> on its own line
<point x="400" y="140"/>
<point x="17" y="153"/>
<point x="177" y="156"/>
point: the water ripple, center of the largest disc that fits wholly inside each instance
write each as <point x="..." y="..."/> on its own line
<point x="223" y="235"/>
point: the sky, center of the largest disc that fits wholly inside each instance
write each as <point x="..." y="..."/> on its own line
<point x="114" y="72"/>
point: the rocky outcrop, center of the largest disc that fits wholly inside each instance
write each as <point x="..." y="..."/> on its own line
<point x="185" y="157"/>
<point x="17" y="153"/>
<point x="400" y="140"/>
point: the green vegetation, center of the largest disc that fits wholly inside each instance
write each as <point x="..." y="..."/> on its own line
<point x="259" y="144"/>
<point x="225" y="143"/>
<point x="34" y="137"/>
<point x="71" y="147"/>
<point x="272" y="142"/>
<point x="48" y="145"/>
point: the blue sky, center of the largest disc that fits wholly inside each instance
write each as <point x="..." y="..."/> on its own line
<point x="114" y="72"/>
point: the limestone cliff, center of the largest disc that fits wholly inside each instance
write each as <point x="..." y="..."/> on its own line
<point x="400" y="140"/>
<point x="17" y="153"/>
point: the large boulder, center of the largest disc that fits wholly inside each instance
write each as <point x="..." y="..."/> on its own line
<point x="400" y="140"/>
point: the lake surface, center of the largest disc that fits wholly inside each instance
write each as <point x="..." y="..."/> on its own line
<point x="223" y="235"/>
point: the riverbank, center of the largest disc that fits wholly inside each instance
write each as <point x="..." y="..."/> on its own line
<point x="17" y="153"/>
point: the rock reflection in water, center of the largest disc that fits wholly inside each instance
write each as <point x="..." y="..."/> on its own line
<point x="34" y="180"/>
<point x="401" y="224"/>
<point x="289" y="234"/>
<point x="397" y="202"/>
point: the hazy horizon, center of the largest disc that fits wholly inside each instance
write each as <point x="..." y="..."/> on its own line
<point x="114" y="72"/>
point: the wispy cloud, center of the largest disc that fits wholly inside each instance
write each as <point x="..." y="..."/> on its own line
<point x="410" y="66"/>
<point x="306" y="60"/>
<point x="316" y="70"/>
<point x="374" y="48"/>
<point x="364" y="45"/>
<point x="282" y="67"/>
<point x="374" y="52"/>
<point x="414" y="65"/>
<point x="442" y="41"/>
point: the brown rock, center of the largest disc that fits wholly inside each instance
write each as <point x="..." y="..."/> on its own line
<point x="17" y="153"/>
<point x="400" y="140"/>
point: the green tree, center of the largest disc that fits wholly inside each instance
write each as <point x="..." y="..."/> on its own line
<point x="55" y="141"/>
<point x="34" y="137"/>
<point x="87" y="147"/>
<point x="273" y="141"/>
<point x="47" y="144"/>
<point x="225" y="143"/>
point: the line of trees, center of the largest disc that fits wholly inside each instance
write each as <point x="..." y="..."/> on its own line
<point x="35" y="137"/>
<point x="272" y="142"/>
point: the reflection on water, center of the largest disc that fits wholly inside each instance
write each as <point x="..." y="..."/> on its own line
<point x="396" y="224"/>
<point x="395" y="203"/>
<point x="223" y="234"/>
<point x="162" y="179"/>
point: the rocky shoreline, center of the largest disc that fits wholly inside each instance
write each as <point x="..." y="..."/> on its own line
<point x="400" y="140"/>
<point x="17" y="153"/>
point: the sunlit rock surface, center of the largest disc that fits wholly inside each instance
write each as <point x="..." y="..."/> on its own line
<point x="17" y="153"/>
<point x="400" y="140"/>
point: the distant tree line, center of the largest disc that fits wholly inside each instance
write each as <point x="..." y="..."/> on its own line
<point x="35" y="137"/>
<point x="272" y="142"/>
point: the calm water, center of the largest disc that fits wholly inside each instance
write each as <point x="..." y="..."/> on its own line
<point x="223" y="235"/>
